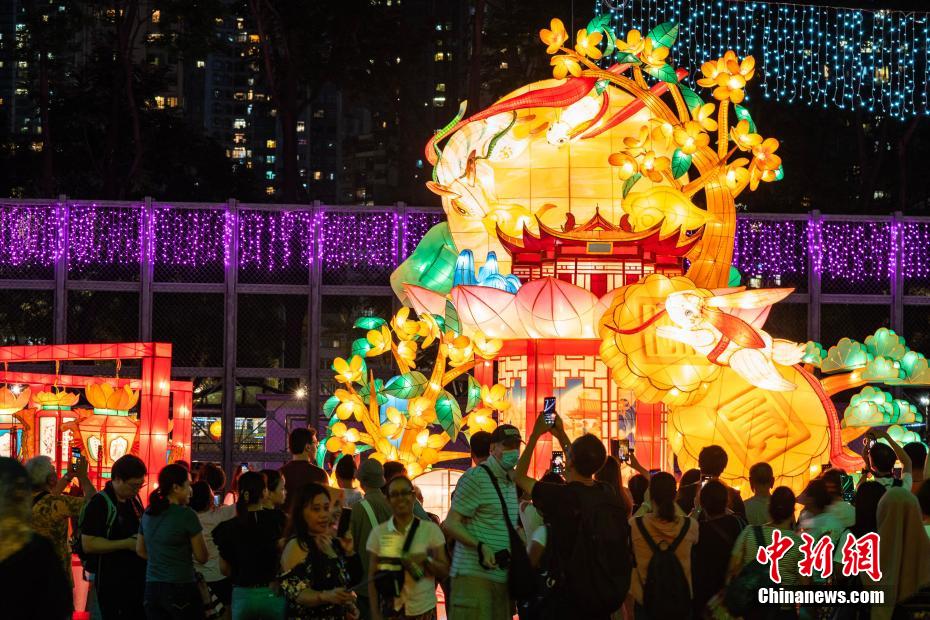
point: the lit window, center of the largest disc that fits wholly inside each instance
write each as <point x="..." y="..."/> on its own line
<point x="269" y="175"/>
<point x="22" y="64"/>
<point x="301" y="126"/>
<point x="238" y="152"/>
<point x="171" y="102"/>
<point x="239" y="138"/>
<point x="319" y="113"/>
<point x="438" y="27"/>
<point x="239" y="96"/>
<point x="254" y="38"/>
<point x="269" y="190"/>
<point x="270" y="144"/>
<point x="504" y="65"/>
<point x="440" y="88"/>
<point x="159" y="102"/>
<point x="439" y="57"/>
<point x="270" y="159"/>
<point x="156" y="16"/>
<point x="239" y="123"/>
<point x="439" y="102"/>
<point x="317" y="175"/>
<point x="201" y="64"/>
<point x="331" y="176"/>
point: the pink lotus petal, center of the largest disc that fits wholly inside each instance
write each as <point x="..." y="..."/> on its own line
<point x="425" y="300"/>
<point x="489" y="310"/>
<point x="551" y="308"/>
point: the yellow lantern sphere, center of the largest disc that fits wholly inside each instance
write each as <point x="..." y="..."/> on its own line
<point x="216" y="429"/>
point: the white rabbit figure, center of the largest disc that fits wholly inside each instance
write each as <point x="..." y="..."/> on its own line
<point x="728" y="340"/>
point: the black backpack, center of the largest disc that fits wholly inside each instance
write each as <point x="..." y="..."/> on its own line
<point x="90" y="561"/>
<point x="597" y="574"/>
<point x="666" y="593"/>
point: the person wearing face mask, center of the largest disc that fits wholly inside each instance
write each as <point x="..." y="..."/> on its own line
<point x="477" y="522"/>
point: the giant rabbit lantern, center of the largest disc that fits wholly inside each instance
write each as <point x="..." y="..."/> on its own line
<point x="573" y="213"/>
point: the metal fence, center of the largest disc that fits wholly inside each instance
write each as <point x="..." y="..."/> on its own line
<point x="258" y="299"/>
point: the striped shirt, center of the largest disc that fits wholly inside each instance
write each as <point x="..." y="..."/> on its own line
<point x="745" y="549"/>
<point x="476" y="501"/>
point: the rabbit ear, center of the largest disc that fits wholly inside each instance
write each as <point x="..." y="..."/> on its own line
<point x="441" y="190"/>
<point x="736" y="329"/>
<point x="749" y="299"/>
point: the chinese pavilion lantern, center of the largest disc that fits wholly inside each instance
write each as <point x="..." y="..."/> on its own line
<point x="11" y="401"/>
<point x="109" y="432"/>
<point x="44" y="432"/>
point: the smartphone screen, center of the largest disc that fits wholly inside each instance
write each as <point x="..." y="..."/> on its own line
<point x="75" y="456"/>
<point x="704" y="480"/>
<point x="216" y="500"/>
<point x="549" y="409"/>
<point x="244" y="467"/>
<point x="344" y="518"/>
<point x="558" y="462"/>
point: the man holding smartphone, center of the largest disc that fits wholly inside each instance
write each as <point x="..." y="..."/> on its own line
<point x="589" y="566"/>
<point x="477" y="522"/>
<point x="51" y="510"/>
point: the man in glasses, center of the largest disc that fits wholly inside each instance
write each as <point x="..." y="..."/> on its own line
<point x="408" y="555"/>
<point x="109" y="527"/>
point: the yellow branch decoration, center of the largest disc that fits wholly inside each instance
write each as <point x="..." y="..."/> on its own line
<point x="411" y="417"/>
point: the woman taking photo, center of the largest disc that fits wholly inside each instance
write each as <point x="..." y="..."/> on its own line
<point x="169" y="535"/>
<point x="318" y="568"/>
<point x="248" y="546"/>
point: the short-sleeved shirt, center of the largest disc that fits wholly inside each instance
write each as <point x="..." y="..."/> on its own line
<point x="757" y="510"/>
<point x="251" y="547"/>
<point x="168" y="544"/>
<point x="296" y="475"/>
<point x="50" y="517"/>
<point x="208" y="521"/>
<point x="660" y="531"/>
<point x="477" y="502"/>
<point x="360" y="524"/>
<point x="746" y="548"/>
<point x="417" y="597"/>
<point x="123" y="568"/>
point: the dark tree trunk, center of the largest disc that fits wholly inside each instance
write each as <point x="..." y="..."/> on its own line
<point x="287" y="113"/>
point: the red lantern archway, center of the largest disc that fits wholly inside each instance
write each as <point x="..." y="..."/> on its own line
<point x="158" y="397"/>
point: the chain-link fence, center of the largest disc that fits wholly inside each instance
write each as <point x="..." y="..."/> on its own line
<point x="78" y="271"/>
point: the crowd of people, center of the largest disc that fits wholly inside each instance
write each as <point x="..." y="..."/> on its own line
<point x="577" y="543"/>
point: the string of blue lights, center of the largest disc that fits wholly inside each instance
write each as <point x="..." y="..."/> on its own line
<point x="873" y="61"/>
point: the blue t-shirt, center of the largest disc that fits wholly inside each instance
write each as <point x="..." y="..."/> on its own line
<point x="168" y="544"/>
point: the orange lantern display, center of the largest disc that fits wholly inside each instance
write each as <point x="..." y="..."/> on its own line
<point x="109" y="432"/>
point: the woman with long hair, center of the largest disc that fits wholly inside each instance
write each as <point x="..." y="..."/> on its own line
<point x="661" y="527"/>
<point x="609" y="474"/>
<point x="248" y="546"/>
<point x="318" y="568"/>
<point x="203" y="502"/>
<point x="781" y="518"/>
<point x="170" y="533"/>
<point x="688" y="488"/>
